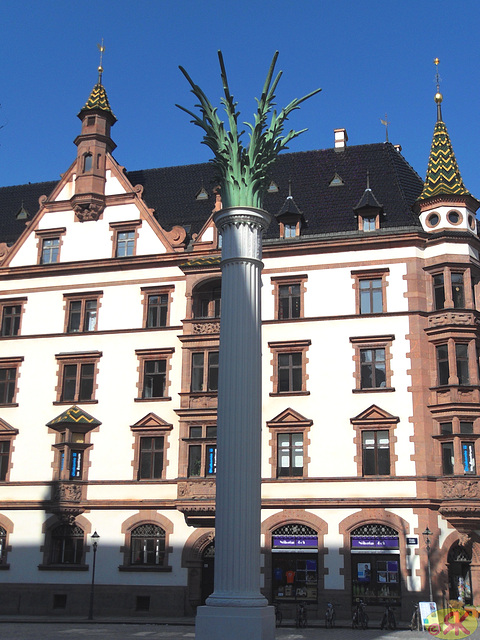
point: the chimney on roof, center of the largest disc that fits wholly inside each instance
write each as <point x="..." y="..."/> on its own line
<point x="340" y="139"/>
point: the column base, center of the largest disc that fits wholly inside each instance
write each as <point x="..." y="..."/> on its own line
<point x="235" y="623"/>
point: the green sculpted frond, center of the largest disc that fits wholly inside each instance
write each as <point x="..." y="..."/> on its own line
<point x="244" y="172"/>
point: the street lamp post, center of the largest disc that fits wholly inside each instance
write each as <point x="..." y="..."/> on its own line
<point x="426" y="534"/>
<point x="95" y="537"/>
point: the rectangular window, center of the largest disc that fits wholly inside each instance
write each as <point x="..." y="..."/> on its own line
<point x="157" y="308"/>
<point x="466" y="427"/>
<point x="290" y="369"/>
<point x="82" y="315"/>
<point x="50" y="250"/>
<point x="468" y="457"/>
<point x="8" y="381"/>
<point x="125" y="244"/>
<point x="458" y="296"/>
<point x="4" y="458"/>
<point x="372" y="368"/>
<point x="154" y="378"/>
<point x="376" y="453"/>
<point x="439" y="291"/>
<point x="443" y="369"/>
<point x="11" y="314"/>
<point x="289" y="230"/>
<point x="369" y="224"/>
<point x="202" y="451"/>
<point x="371" y="295"/>
<point x="446" y="428"/>
<point x="204" y="379"/>
<point x="289" y="455"/>
<point x="447" y="458"/>
<point x="288" y="301"/>
<point x="461" y="355"/>
<point x="78" y="382"/>
<point x="151" y="458"/>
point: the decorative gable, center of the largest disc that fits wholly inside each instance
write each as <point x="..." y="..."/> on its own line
<point x="151" y="421"/>
<point x="374" y="415"/>
<point x="6" y="428"/>
<point x="289" y="418"/>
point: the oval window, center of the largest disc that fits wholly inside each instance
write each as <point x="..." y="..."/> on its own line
<point x="433" y="219"/>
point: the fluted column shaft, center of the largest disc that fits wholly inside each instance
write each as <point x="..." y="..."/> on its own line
<point x="237" y="609"/>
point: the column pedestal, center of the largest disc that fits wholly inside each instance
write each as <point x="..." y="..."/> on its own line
<point x="237" y="609"/>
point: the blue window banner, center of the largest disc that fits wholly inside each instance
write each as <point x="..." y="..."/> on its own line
<point x="76" y="467"/>
<point x="468" y="457"/>
<point x="211" y="460"/>
<point x="374" y="542"/>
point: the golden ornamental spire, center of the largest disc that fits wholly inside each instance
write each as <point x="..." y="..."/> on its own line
<point x="438" y="96"/>
<point x="101" y="48"/>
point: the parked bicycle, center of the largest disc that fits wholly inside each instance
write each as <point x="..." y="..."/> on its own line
<point x="278" y="614"/>
<point x="415" y="622"/>
<point x="301" y="616"/>
<point x="388" y="620"/>
<point x="330" y="616"/>
<point x="360" y="617"/>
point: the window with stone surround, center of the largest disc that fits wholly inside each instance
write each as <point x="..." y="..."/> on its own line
<point x="49" y="242"/>
<point x="456" y="362"/>
<point x="372" y="359"/>
<point x="201" y="443"/>
<point x="457" y="438"/>
<point x="289" y="444"/>
<point x="370" y="291"/>
<point x="375" y="439"/>
<point x="207" y="299"/>
<point x="146" y="547"/>
<point x="289" y="367"/>
<point x="151" y="444"/>
<point x="154" y="369"/>
<point x="7" y="438"/>
<point x="125" y="236"/>
<point x="156" y="306"/>
<point x="77" y="374"/>
<point x="204" y="371"/>
<point x="81" y="311"/>
<point x="9" y="374"/>
<point x="11" y="311"/>
<point x="289" y="296"/>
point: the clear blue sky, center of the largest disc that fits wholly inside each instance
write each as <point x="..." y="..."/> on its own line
<point x="371" y="58"/>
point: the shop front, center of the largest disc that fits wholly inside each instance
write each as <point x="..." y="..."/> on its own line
<point x="375" y="557"/>
<point x="295" y="563"/>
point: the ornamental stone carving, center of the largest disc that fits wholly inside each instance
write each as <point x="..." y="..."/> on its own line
<point x="461" y="489"/>
<point x="63" y="492"/>
<point x="87" y="212"/>
<point x="450" y="317"/>
<point x="199" y="489"/>
<point x="206" y="327"/>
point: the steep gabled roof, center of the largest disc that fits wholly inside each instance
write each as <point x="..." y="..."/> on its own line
<point x="171" y="191"/>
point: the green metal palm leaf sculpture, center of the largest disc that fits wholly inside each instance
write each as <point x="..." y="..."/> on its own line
<point x="244" y="172"/>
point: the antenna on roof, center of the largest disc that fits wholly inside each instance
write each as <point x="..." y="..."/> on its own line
<point x="385" y="124"/>
<point x="101" y="48"/>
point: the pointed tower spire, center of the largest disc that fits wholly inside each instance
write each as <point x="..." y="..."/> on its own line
<point x="94" y="144"/>
<point x="443" y="176"/>
<point x="444" y="201"/>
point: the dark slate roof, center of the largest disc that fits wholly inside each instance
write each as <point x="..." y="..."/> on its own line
<point x="326" y="209"/>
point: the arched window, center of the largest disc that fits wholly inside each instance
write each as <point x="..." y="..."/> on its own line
<point x="67" y="544"/>
<point x="295" y="563"/>
<point x="206" y="299"/>
<point x="148" y="545"/>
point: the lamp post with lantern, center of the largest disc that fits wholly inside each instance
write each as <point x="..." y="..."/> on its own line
<point x="426" y="535"/>
<point x="94" y="537"/>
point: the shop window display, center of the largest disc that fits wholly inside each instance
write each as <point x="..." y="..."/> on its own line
<point x="375" y="564"/>
<point x="295" y="563"/>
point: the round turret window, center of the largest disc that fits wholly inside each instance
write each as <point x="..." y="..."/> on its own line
<point x="454" y="217"/>
<point x="433" y="219"/>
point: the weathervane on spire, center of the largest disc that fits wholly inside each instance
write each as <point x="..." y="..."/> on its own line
<point x="385" y="124"/>
<point x="101" y="48"/>
<point x="438" y="96"/>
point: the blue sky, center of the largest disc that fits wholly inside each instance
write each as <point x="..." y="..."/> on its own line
<point x="370" y="59"/>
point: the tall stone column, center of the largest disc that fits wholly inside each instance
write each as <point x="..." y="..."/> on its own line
<point x="237" y="609"/>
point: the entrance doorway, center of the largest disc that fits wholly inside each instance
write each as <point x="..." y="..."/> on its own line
<point x="208" y="565"/>
<point x="459" y="579"/>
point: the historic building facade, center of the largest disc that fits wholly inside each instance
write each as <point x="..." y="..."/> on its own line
<point x="110" y="303"/>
